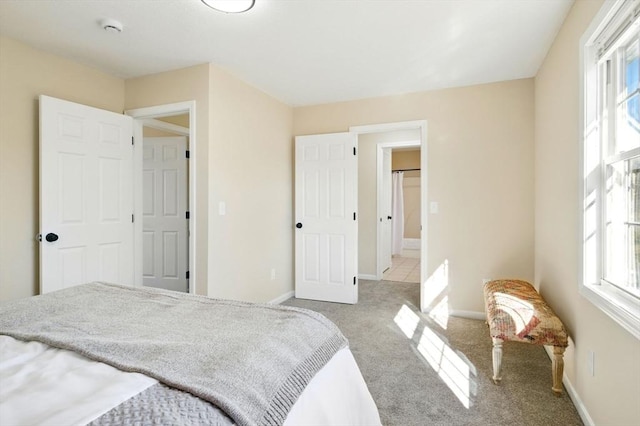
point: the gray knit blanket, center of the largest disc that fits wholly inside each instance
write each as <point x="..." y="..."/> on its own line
<point x="160" y="405"/>
<point x="251" y="360"/>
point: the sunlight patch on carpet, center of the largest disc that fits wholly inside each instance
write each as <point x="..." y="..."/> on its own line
<point x="407" y="321"/>
<point x="452" y="369"/>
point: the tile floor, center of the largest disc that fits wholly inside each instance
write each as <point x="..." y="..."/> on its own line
<point x="405" y="269"/>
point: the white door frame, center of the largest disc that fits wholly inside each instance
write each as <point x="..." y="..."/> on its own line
<point x="381" y="146"/>
<point x="144" y="117"/>
<point x="409" y="125"/>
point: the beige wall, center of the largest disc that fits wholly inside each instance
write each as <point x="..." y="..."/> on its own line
<point x="26" y="73"/>
<point x="150" y="132"/>
<point x="244" y="157"/>
<point x="480" y="171"/>
<point x="367" y="194"/>
<point x="251" y="171"/>
<point x="402" y="160"/>
<point x="611" y="396"/>
<point x="179" y="120"/>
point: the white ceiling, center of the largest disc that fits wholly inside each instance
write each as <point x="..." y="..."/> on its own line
<point x="302" y="52"/>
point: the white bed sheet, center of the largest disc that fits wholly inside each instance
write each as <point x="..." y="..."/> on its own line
<point x="41" y="385"/>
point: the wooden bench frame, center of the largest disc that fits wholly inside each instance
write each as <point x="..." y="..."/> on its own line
<point x="557" y="365"/>
<point x="542" y="328"/>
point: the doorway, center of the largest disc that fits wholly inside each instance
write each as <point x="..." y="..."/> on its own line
<point x="397" y="174"/>
<point x="399" y="211"/>
<point x="419" y="128"/>
<point x="165" y="207"/>
<point x="164" y="176"/>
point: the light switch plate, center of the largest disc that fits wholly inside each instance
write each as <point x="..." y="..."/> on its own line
<point x="433" y="207"/>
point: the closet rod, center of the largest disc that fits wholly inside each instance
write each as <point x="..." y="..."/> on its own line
<point x="406" y="170"/>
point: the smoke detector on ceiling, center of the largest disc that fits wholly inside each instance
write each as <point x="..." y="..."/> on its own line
<point x="111" y="26"/>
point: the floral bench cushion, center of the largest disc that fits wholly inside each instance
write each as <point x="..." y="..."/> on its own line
<point x="516" y="312"/>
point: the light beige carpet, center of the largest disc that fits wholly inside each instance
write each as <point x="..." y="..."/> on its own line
<point x="420" y="373"/>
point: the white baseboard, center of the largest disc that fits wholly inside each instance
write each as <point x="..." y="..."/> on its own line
<point x="469" y="314"/>
<point x="411" y="243"/>
<point x="573" y="394"/>
<point x="278" y="300"/>
<point x="367" y="277"/>
<point x="413" y="254"/>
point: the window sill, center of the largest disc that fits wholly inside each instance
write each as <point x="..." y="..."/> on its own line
<point x="622" y="310"/>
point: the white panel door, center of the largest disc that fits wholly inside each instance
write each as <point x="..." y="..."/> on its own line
<point x="386" y="209"/>
<point x="165" y="234"/>
<point x="86" y="195"/>
<point x="326" y="234"/>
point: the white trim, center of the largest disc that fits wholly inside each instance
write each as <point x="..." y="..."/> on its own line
<point x="140" y="116"/>
<point x="573" y="394"/>
<point x="368" y="277"/>
<point x="468" y="314"/>
<point x="603" y="299"/>
<point x="283" y="297"/>
<point x="409" y="125"/>
<point x="411" y="243"/>
<point x="388" y="127"/>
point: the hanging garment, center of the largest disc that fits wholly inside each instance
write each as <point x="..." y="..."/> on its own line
<point x="397" y="202"/>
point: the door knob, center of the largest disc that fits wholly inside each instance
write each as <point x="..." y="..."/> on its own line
<point x="298" y="225"/>
<point x="51" y="237"/>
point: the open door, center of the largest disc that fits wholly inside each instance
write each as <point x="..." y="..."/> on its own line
<point x="386" y="211"/>
<point x="165" y="213"/>
<point x="326" y="202"/>
<point x="86" y="195"/>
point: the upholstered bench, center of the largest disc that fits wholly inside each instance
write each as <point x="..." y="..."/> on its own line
<point x="516" y="312"/>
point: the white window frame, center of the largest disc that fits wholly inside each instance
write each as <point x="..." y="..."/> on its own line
<point x="619" y="305"/>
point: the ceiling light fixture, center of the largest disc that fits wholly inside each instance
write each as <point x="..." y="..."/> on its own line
<point x="230" y="6"/>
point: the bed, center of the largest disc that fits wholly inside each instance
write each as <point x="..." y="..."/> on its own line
<point x="107" y="354"/>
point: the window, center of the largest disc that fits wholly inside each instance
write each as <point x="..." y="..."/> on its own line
<point x="610" y="211"/>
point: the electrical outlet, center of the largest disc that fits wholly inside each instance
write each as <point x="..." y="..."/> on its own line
<point x="591" y="363"/>
<point x="273" y="274"/>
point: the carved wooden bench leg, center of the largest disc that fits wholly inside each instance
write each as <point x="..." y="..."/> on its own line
<point x="557" y="367"/>
<point x="497" y="360"/>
